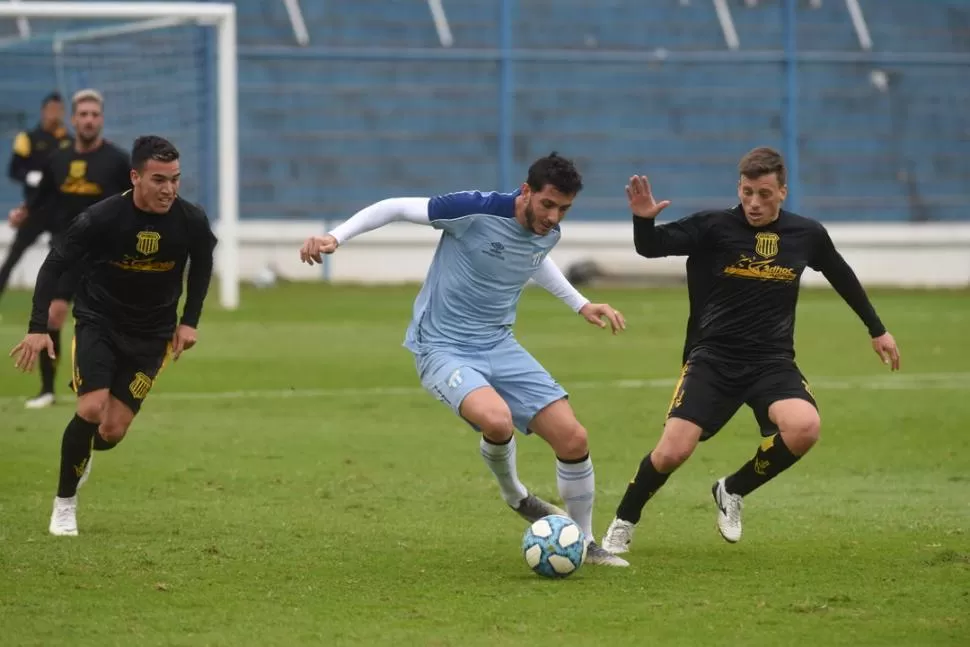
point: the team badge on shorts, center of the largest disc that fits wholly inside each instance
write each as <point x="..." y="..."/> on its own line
<point x="140" y="386"/>
<point x="455" y="379"/>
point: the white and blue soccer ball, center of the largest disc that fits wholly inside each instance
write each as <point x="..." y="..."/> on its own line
<point x="554" y="546"/>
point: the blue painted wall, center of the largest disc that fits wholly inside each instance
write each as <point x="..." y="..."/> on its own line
<point x="376" y="108"/>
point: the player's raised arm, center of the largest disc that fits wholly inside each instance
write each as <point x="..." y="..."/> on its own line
<point x="367" y="219"/>
<point x="673" y="239"/>
<point x="828" y="261"/>
<point x="551" y="278"/>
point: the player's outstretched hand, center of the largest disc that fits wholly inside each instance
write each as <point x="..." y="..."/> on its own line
<point x="184" y="339"/>
<point x="16" y="216"/>
<point x="642" y="202"/>
<point x="886" y="349"/>
<point x="28" y="350"/>
<point x="596" y="312"/>
<point x="315" y="246"/>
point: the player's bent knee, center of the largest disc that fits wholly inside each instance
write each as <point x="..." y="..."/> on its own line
<point x="117" y="419"/>
<point x="486" y="409"/>
<point x="678" y="442"/>
<point x="572" y="443"/>
<point x="670" y="455"/>
<point x="801" y="433"/>
<point x="91" y="406"/>
<point x="799" y="424"/>
<point x="496" y="425"/>
<point x="113" y="431"/>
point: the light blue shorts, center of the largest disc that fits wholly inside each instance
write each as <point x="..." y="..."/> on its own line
<point x="451" y="374"/>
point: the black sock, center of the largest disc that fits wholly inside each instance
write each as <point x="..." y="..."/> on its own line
<point x="49" y="366"/>
<point x="772" y="458"/>
<point x="643" y="486"/>
<point x="102" y="445"/>
<point x="75" y="452"/>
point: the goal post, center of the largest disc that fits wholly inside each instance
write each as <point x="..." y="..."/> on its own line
<point x="143" y="16"/>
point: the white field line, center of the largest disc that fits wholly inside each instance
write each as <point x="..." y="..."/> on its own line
<point x="899" y="382"/>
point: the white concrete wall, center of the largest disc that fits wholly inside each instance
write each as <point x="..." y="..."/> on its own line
<point x="908" y="255"/>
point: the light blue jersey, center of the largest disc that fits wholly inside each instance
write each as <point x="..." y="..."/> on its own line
<point x="461" y="332"/>
<point x="483" y="261"/>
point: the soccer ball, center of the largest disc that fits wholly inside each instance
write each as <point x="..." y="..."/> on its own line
<point x="554" y="546"/>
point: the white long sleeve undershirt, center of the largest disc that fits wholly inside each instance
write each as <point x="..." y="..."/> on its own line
<point x="382" y="213"/>
<point x="415" y="210"/>
<point x="553" y="281"/>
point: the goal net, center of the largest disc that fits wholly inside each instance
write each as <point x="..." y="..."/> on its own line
<point x="163" y="68"/>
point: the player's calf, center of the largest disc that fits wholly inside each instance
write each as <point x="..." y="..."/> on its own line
<point x="680" y="438"/>
<point x="75" y="464"/>
<point x="575" y="477"/>
<point x="799" y="427"/>
<point x="486" y="411"/>
<point x="558" y="426"/>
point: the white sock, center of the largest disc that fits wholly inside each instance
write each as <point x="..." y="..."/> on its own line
<point x="577" y="486"/>
<point x="501" y="460"/>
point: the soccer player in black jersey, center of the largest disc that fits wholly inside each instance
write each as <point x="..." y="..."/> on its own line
<point x="31" y="149"/>
<point x="73" y="179"/>
<point x="743" y="269"/>
<point x="133" y="249"/>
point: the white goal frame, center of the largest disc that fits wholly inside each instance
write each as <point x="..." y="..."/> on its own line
<point x="222" y="16"/>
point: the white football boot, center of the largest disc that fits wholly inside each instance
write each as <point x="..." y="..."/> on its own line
<point x="596" y="554"/>
<point x="618" y="536"/>
<point x="41" y="401"/>
<point x="728" y="512"/>
<point x="64" y="517"/>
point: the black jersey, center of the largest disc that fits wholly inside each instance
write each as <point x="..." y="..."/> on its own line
<point x="31" y="150"/>
<point x="743" y="280"/>
<point x="74" y="181"/>
<point x="132" y="265"/>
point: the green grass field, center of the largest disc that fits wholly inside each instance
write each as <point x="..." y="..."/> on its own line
<point x="288" y="483"/>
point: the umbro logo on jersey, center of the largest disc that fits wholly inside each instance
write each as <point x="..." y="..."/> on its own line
<point x="495" y="249"/>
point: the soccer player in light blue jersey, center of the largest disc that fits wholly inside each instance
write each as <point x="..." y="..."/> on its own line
<point x="491" y="245"/>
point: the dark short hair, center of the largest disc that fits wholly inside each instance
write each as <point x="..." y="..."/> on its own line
<point x="152" y="147"/>
<point x="53" y="97"/>
<point x="557" y="171"/>
<point x="763" y="161"/>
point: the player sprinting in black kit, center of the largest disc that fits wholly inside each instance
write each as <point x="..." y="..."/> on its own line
<point x="133" y="249"/>
<point x="73" y="179"/>
<point x="743" y="270"/>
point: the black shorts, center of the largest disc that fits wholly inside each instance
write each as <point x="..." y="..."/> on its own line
<point x="710" y="391"/>
<point x="127" y="367"/>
